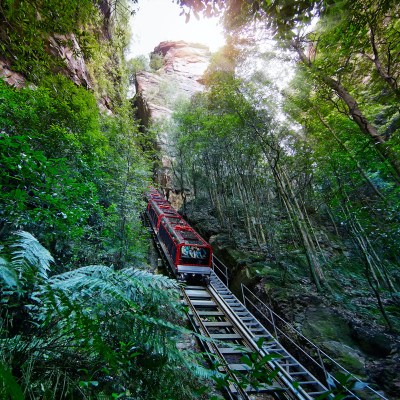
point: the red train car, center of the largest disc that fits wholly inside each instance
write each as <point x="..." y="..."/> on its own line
<point x="188" y="254"/>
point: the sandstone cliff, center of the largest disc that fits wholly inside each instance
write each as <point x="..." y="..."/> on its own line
<point x="179" y="77"/>
<point x="183" y="65"/>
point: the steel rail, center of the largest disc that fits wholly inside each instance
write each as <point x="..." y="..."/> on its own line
<point x="298" y="380"/>
<point x="212" y="346"/>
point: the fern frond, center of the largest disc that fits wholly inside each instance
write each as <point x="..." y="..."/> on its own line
<point x="144" y="286"/>
<point x="30" y="259"/>
<point x="7" y="275"/>
<point x="9" y="386"/>
<point x="131" y="287"/>
<point x="95" y="281"/>
<point x="155" y="281"/>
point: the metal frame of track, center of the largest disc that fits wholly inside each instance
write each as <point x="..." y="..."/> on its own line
<point x="295" y="377"/>
<point x="224" y="338"/>
<point x="216" y="313"/>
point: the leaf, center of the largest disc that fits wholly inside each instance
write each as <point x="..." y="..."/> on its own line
<point x="30" y="258"/>
<point x="7" y="275"/>
<point x="9" y="383"/>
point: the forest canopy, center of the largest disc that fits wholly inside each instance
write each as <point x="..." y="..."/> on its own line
<point x="329" y="156"/>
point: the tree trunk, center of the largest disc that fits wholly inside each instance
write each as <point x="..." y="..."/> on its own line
<point x="356" y="114"/>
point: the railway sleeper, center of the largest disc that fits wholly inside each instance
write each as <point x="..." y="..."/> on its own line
<point x="210" y="313"/>
<point x="203" y="303"/>
<point x="239" y="367"/>
<point x="232" y="350"/>
<point x="225" y="336"/>
<point x="217" y="324"/>
<point x="263" y="388"/>
<point x="194" y="294"/>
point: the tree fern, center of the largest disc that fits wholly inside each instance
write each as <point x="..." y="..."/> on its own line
<point x="93" y="324"/>
<point x="29" y="258"/>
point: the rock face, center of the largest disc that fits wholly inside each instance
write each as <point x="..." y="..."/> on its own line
<point x="180" y="76"/>
<point x="10" y="77"/>
<point x="187" y="61"/>
<point x="67" y="48"/>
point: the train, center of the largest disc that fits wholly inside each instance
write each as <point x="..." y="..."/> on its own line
<point x="189" y="256"/>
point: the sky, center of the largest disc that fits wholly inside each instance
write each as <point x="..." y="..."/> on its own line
<point x="156" y="21"/>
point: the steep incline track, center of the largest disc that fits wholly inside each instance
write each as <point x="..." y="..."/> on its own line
<point x="234" y="332"/>
<point x="216" y="313"/>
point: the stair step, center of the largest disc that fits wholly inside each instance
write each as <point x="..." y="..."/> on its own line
<point x="298" y="373"/>
<point x="222" y="323"/>
<point x="223" y="336"/>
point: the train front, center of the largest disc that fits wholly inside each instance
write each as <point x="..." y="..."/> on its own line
<point x="194" y="261"/>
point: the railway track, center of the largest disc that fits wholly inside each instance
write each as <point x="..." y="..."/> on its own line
<point x="244" y="349"/>
<point x="217" y="314"/>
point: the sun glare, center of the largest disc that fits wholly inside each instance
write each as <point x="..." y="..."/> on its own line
<point x="156" y="21"/>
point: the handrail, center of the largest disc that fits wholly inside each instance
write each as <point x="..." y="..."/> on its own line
<point x="220" y="269"/>
<point x="271" y="319"/>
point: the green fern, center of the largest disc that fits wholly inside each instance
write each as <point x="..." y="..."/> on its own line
<point x="29" y="258"/>
<point x="90" y="324"/>
<point x="8" y="385"/>
<point x="7" y="275"/>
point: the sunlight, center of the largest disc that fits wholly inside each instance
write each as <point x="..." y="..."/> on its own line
<point x="158" y="20"/>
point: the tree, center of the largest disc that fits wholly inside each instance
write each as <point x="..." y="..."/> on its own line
<point x="236" y="138"/>
<point x="289" y="23"/>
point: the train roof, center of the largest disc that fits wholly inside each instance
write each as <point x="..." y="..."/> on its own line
<point x="182" y="231"/>
<point x="163" y="207"/>
<point x="178" y="227"/>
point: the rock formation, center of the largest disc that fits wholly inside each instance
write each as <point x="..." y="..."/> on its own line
<point x="180" y="76"/>
<point x="67" y="48"/>
<point x="10" y="77"/>
<point x="183" y="65"/>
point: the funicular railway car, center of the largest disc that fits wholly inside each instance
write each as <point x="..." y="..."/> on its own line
<point x="187" y="253"/>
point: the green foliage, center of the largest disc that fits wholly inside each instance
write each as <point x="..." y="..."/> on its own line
<point x="90" y="331"/>
<point x="26" y="27"/>
<point x="156" y="61"/>
<point x="140" y="63"/>
<point x="55" y="145"/>
<point x="74" y="177"/>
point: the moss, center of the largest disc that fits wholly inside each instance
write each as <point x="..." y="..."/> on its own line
<point x="322" y="322"/>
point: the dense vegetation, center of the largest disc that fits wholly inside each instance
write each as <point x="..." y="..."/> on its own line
<point x="308" y="179"/>
<point x="80" y="317"/>
<point x="307" y="176"/>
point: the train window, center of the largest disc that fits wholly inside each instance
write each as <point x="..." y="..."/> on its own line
<point x="195" y="255"/>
